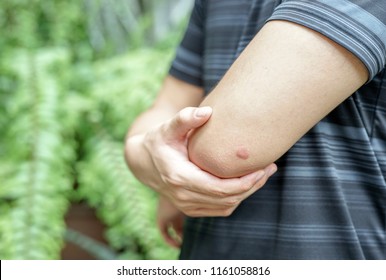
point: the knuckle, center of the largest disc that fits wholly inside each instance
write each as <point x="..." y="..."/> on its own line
<point x="227" y="212"/>
<point x="178" y="120"/>
<point x="163" y="129"/>
<point x="245" y="187"/>
<point x="232" y="202"/>
<point x="172" y="179"/>
<point x="185" y="211"/>
<point x="180" y="206"/>
<point x="260" y="183"/>
<point x="193" y="214"/>
<point x="219" y="192"/>
<point x="183" y="116"/>
<point x="149" y="139"/>
<point x="181" y="196"/>
<point x="190" y="213"/>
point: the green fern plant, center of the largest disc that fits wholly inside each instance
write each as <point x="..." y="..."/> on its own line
<point x="36" y="179"/>
<point x="127" y="207"/>
<point x="126" y="86"/>
<point x="63" y="116"/>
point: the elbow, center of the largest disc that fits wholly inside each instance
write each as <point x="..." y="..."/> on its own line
<point x="223" y="159"/>
<point x="213" y="162"/>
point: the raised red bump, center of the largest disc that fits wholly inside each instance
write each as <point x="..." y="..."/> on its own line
<point x="242" y="153"/>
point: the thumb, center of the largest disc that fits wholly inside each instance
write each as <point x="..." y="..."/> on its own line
<point x="188" y="119"/>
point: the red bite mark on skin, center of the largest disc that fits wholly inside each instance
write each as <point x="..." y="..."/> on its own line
<point x="242" y="153"/>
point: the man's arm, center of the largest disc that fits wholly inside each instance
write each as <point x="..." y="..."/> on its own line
<point x="286" y="80"/>
<point x="156" y="152"/>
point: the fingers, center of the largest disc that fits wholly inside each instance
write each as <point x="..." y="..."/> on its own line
<point x="168" y="237"/>
<point x="269" y="171"/>
<point x="178" y="230"/>
<point x="170" y="222"/>
<point x="192" y="190"/>
<point x="200" y="182"/>
<point x="203" y="212"/>
<point x="186" y="120"/>
<point x="197" y="204"/>
<point x="203" y="182"/>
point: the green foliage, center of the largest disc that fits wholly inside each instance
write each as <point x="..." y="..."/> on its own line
<point x="126" y="87"/>
<point x="68" y="128"/>
<point x="38" y="23"/>
<point x="126" y="207"/>
<point x="37" y="158"/>
<point x="64" y="111"/>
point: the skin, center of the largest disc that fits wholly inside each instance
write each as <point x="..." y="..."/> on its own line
<point x="242" y="153"/>
<point x="170" y="219"/>
<point x="205" y="163"/>
<point x="294" y="77"/>
<point x="156" y="152"/>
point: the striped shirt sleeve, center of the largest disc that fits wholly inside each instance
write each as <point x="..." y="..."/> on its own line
<point x="187" y="65"/>
<point x="357" y="25"/>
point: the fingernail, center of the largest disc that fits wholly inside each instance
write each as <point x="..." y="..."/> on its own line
<point x="272" y="169"/>
<point x="203" y="111"/>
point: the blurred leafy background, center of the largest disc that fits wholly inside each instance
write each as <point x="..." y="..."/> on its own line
<point x="73" y="76"/>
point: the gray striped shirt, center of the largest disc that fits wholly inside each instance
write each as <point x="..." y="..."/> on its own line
<point x="328" y="198"/>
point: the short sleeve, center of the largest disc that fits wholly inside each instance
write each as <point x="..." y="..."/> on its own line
<point x="187" y="64"/>
<point x="357" y="25"/>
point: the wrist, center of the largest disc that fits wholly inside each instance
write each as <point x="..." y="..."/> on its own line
<point x="136" y="154"/>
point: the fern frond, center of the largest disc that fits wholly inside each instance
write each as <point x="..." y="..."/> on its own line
<point x="125" y="87"/>
<point x="124" y="205"/>
<point x="38" y="160"/>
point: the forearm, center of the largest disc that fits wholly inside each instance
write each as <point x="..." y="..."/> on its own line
<point x="285" y="81"/>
